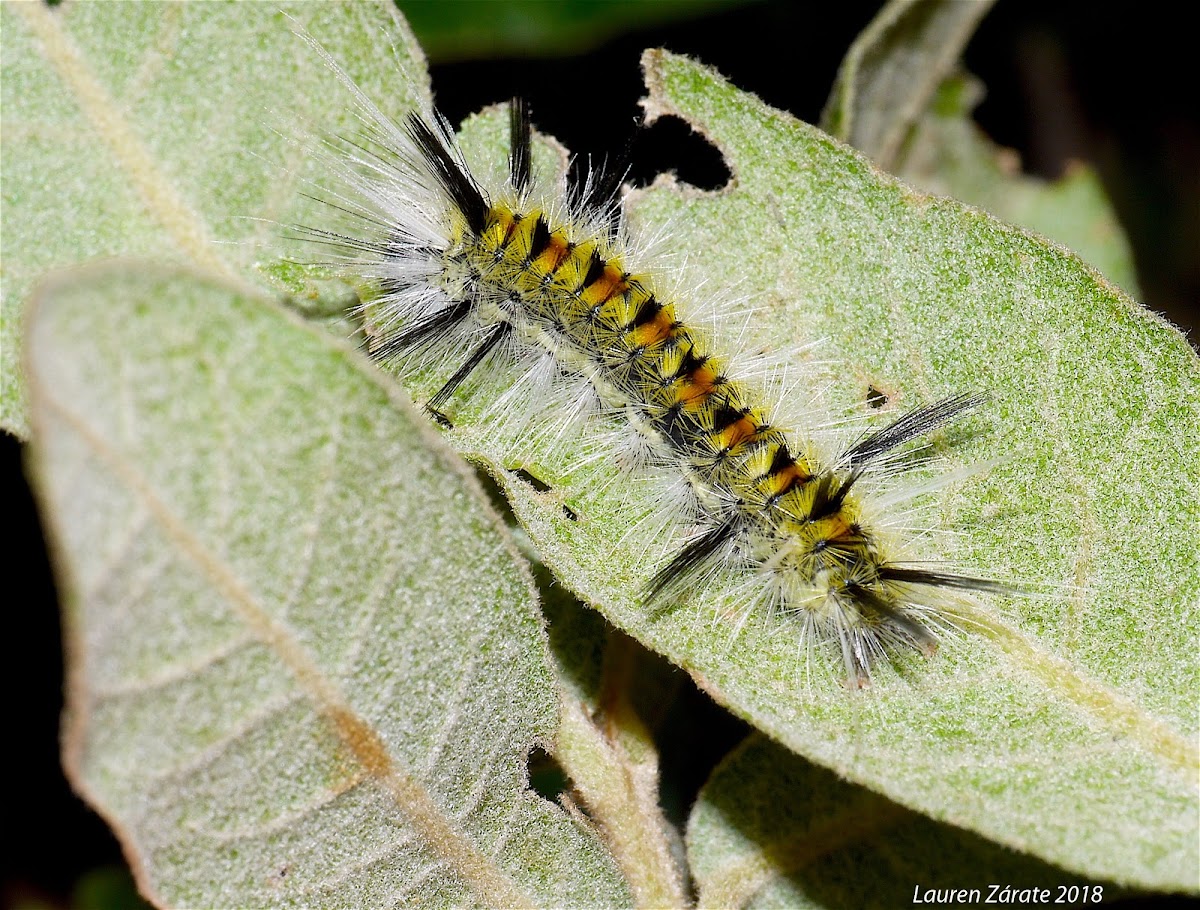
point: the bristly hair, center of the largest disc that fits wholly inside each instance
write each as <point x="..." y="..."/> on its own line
<point x="689" y="562"/>
<point x="594" y="189"/>
<point x="435" y="144"/>
<point x="520" y="154"/>
<point x="943" y="580"/>
<point x="918" y="422"/>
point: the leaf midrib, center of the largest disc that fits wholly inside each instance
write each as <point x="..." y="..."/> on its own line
<point x="162" y="202"/>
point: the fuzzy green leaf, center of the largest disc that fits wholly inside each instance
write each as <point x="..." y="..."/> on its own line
<point x="163" y="129"/>
<point x="948" y="154"/>
<point x="308" y="663"/>
<point x="900" y="99"/>
<point x="772" y="830"/>
<point x="893" y="70"/>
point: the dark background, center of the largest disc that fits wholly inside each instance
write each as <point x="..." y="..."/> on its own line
<point x="1111" y="84"/>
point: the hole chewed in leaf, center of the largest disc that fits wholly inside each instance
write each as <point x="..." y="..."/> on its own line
<point x="546" y="776"/>
<point x="669" y="144"/>
<point x="542" y="487"/>
<point x="536" y="482"/>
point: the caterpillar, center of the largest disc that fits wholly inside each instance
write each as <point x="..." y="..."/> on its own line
<point x="465" y="277"/>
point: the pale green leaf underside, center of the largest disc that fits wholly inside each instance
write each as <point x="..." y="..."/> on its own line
<point x="163" y="129"/>
<point x="900" y="100"/>
<point x="772" y="830"/>
<point x="893" y="69"/>
<point x="1066" y="729"/>
<point x="308" y="662"/>
<point x="950" y="155"/>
